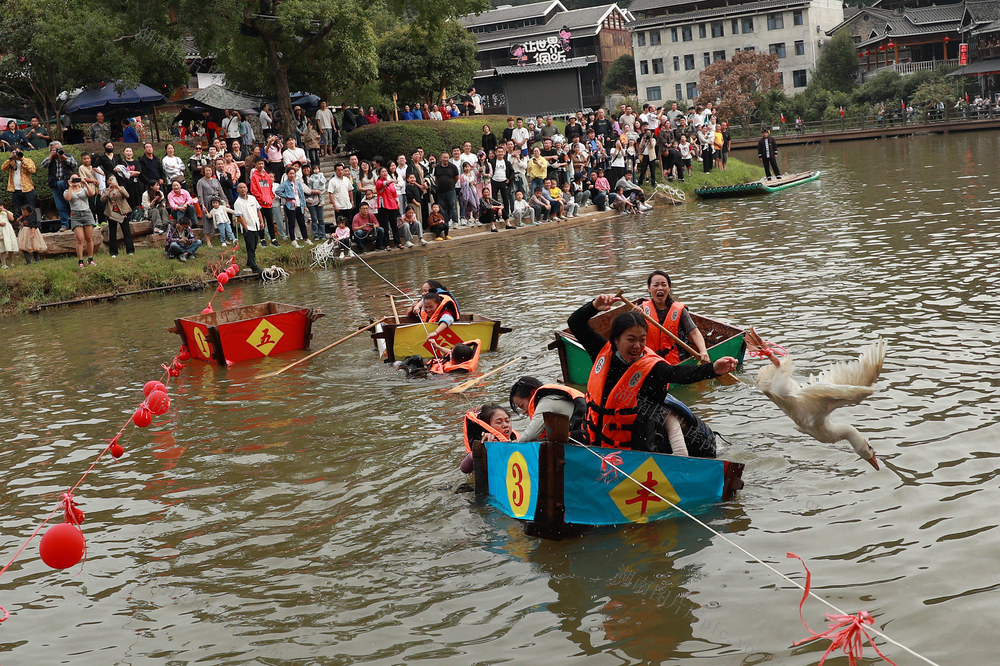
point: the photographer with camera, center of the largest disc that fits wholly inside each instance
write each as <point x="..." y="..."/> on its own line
<point x="19" y="182"/>
<point x="61" y="167"/>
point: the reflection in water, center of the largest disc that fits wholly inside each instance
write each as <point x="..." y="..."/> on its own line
<point x="310" y="518"/>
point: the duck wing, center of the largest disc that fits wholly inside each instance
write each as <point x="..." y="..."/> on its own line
<point x="863" y="371"/>
<point x="815" y="402"/>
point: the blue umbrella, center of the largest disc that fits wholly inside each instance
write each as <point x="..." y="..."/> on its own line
<point x="107" y="99"/>
<point x="307" y="101"/>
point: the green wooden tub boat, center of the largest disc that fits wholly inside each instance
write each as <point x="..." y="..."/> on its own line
<point x="761" y="186"/>
<point x="721" y="339"/>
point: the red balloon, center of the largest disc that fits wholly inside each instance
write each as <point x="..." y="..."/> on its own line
<point x="142" y="417"/>
<point x="178" y="365"/>
<point x="62" y="546"/>
<point x="183" y="354"/>
<point x="236" y="269"/>
<point x="220" y="289"/>
<point x="116" y="450"/>
<point x="232" y="271"/>
<point x="208" y="310"/>
<point x="222" y="278"/>
<point x="153" y="386"/>
<point x="158" y="402"/>
<point x="174" y="372"/>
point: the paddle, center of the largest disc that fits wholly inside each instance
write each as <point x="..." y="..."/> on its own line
<point x="395" y="313"/>
<point x="464" y="386"/>
<point x="726" y="379"/>
<point x="324" y="349"/>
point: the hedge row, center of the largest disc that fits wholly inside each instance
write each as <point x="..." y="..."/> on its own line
<point x="43" y="193"/>
<point x="434" y="136"/>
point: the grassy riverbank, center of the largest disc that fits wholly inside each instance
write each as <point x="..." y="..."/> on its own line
<point x="736" y="173"/>
<point x="23" y="288"/>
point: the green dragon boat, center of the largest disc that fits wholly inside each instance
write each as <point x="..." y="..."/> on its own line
<point x="761" y="186"/>
<point x="721" y="340"/>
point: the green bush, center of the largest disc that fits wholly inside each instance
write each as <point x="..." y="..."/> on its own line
<point x="434" y="136"/>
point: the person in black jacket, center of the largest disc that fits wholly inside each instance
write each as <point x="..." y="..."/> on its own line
<point x="150" y="167"/>
<point x="767" y="151"/>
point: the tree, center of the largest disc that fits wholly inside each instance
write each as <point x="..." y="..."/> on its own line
<point x="323" y="46"/>
<point x="52" y="50"/>
<point x="837" y="67"/>
<point x="737" y="86"/>
<point x="931" y="92"/>
<point x="886" y="86"/>
<point x="621" y="76"/>
<point x="420" y="74"/>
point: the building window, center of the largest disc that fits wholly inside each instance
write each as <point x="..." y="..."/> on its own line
<point x="653" y="94"/>
<point x="702" y="31"/>
<point x="718" y="55"/>
<point x="799" y="78"/>
<point x="677" y="64"/>
<point x="800" y="47"/>
<point x="746" y="25"/>
<point x="689" y="61"/>
<point x="686" y="33"/>
<point x="735" y="26"/>
<point x="781" y="79"/>
<point x="678" y="91"/>
<point x="673" y="34"/>
<point x="657" y="65"/>
<point x="654" y="37"/>
<point x="643" y="67"/>
<point x="692" y="90"/>
<point x="777" y="49"/>
<point x="717" y="30"/>
<point x="737" y="49"/>
<point x="640" y="39"/>
<point x="775" y="21"/>
<point x="749" y="48"/>
<point x="708" y="59"/>
<point x="797" y="17"/>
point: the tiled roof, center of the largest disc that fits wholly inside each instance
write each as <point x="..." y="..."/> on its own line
<point x="588" y="18"/>
<point x="986" y="10"/>
<point x="509" y="13"/>
<point x="732" y="10"/>
<point x="571" y="63"/>
<point x="646" y="5"/>
<point x="986" y="28"/>
<point x="925" y="15"/>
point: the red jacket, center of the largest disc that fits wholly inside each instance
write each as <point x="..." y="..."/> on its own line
<point x="262" y="187"/>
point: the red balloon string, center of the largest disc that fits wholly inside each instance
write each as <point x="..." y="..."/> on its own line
<point x="845" y="632"/>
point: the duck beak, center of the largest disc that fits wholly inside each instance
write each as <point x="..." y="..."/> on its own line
<point x="874" y="462"/>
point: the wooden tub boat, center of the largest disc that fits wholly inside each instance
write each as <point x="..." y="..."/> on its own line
<point x="397" y="341"/>
<point x="762" y="186"/>
<point x="247" y="333"/>
<point x="721" y="340"/>
<point x="559" y="490"/>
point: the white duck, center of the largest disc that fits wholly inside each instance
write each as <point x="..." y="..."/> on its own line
<point x="810" y="406"/>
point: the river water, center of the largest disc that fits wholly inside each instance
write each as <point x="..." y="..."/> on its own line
<point x="311" y="518"/>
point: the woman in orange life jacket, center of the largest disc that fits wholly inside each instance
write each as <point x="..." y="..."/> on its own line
<point x="629" y="382"/>
<point x="674" y="317"/>
<point x="430" y="285"/>
<point x="535" y="399"/>
<point x="439" y="309"/>
<point x="494" y="426"/>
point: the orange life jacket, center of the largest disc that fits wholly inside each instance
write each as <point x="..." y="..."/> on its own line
<point x="658" y="341"/>
<point x="611" y="422"/>
<point x="443" y="365"/>
<point x="473" y="428"/>
<point x="436" y="316"/>
<point x="578" y="399"/>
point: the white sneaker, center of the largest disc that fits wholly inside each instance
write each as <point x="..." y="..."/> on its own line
<point x="308" y="242"/>
<point x="351" y="253"/>
<point x="295" y="243"/>
<point x="342" y="255"/>
<point x="224" y="244"/>
<point x="409" y="243"/>
<point x="423" y="242"/>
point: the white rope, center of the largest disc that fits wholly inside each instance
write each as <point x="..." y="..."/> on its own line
<point x="325" y="252"/>
<point x="273" y="274"/>
<point x="672" y="191"/>
<point x="756" y="559"/>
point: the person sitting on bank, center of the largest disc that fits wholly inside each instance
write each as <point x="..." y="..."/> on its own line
<point x="438" y="308"/>
<point x="674" y="317"/>
<point x="181" y="242"/>
<point x="365" y="227"/>
<point x="629" y="381"/>
<point x="632" y="191"/>
<point x="536" y="399"/>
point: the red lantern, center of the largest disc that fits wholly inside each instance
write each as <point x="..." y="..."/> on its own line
<point x="891" y="45"/>
<point x="222" y="278"/>
<point x="881" y="48"/>
<point x="142" y="417"/>
<point x="153" y="386"/>
<point x="158" y="402"/>
<point x="947" y="39"/>
<point x="62" y="546"/>
<point x="861" y="55"/>
<point x="868" y="53"/>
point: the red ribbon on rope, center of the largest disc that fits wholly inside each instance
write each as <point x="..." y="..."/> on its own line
<point x="71" y="511"/>
<point x="771" y="348"/>
<point x="845" y="632"/>
<point x="606" y="462"/>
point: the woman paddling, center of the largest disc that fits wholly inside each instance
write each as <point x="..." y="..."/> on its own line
<point x="628" y="385"/>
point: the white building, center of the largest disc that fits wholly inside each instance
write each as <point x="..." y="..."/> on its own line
<point x="673" y="40"/>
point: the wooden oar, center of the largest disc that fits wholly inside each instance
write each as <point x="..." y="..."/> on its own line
<point x="464" y="386"/>
<point x="324" y="349"/>
<point x="727" y="379"/>
<point x="395" y="313"/>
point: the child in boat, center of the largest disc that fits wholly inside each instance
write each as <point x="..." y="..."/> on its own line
<point x="526" y="396"/>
